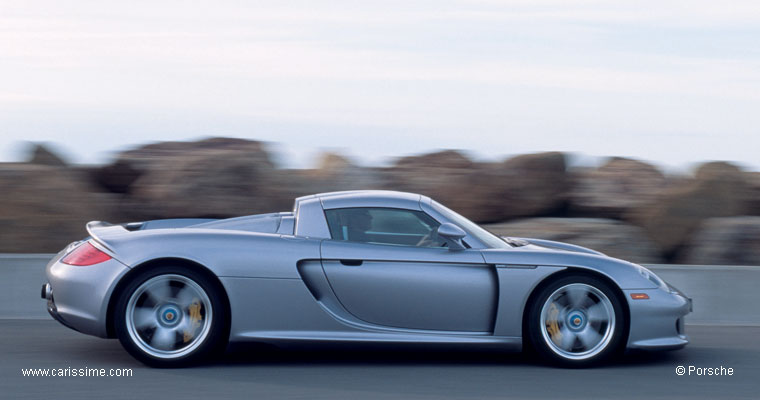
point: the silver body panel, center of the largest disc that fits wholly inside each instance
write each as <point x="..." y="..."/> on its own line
<point x="81" y="294"/>
<point x="287" y="281"/>
<point x="414" y="288"/>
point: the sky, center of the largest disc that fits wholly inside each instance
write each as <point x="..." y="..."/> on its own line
<point x="673" y="82"/>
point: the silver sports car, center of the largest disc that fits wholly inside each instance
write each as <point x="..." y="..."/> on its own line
<point x="359" y="267"/>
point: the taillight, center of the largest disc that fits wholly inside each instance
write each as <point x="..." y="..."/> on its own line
<point x="86" y="254"/>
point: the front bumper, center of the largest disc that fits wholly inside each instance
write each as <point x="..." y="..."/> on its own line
<point x="657" y="323"/>
<point x="78" y="296"/>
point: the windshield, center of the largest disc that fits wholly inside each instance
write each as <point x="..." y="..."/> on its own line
<point x="472" y="229"/>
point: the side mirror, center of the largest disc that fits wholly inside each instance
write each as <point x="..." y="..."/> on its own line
<point x="453" y="235"/>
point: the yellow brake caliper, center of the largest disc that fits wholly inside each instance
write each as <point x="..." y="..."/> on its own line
<point x="195" y="320"/>
<point x="552" y="327"/>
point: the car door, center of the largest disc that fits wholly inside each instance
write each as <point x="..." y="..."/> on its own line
<point x="394" y="272"/>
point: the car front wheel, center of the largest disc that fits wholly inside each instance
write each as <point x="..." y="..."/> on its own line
<point x="577" y="320"/>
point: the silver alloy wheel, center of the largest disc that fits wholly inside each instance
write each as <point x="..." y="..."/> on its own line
<point x="577" y="321"/>
<point x="168" y="316"/>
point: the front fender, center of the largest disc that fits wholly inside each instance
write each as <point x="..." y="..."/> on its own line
<point x="624" y="274"/>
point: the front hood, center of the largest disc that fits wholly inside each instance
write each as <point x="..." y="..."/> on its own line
<point x="547" y="253"/>
<point x="550" y="245"/>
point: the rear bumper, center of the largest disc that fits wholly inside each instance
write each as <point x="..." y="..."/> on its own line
<point x="658" y="322"/>
<point x="47" y="294"/>
<point x="78" y="297"/>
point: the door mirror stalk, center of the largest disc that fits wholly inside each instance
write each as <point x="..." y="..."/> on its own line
<point x="453" y="236"/>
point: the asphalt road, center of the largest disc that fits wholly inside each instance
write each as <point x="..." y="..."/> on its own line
<point x="258" y="373"/>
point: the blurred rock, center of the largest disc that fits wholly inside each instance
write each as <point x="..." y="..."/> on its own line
<point x="610" y="237"/>
<point x="208" y="182"/>
<point x="129" y="165"/>
<point x="725" y="241"/>
<point x="148" y="156"/>
<point x="41" y="155"/>
<point x="446" y="176"/>
<point x="447" y="159"/>
<point x="117" y="177"/>
<point x="717" y="190"/>
<point x="753" y="180"/>
<point x="532" y="184"/>
<point x="44" y="203"/>
<point x="160" y="180"/>
<point x="332" y="162"/>
<point x="335" y="172"/>
<point x="44" y="208"/>
<point x="526" y="185"/>
<point x="615" y="188"/>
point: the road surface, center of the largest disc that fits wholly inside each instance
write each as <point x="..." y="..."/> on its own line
<point x="261" y="373"/>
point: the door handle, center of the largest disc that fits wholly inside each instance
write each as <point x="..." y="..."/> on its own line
<point x="351" y="263"/>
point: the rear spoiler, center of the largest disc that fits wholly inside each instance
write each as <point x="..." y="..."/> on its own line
<point x="98" y="229"/>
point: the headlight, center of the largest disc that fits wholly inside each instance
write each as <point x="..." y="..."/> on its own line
<point x="652" y="278"/>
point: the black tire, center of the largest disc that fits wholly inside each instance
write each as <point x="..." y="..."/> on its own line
<point x="575" y="353"/>
<point x="211" y="343"/>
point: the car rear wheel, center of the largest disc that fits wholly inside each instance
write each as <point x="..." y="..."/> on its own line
<point x="171" y="317"/>
<point x="576" y="320"/>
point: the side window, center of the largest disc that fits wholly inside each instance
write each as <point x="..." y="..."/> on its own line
<point x="384" y="226"/>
